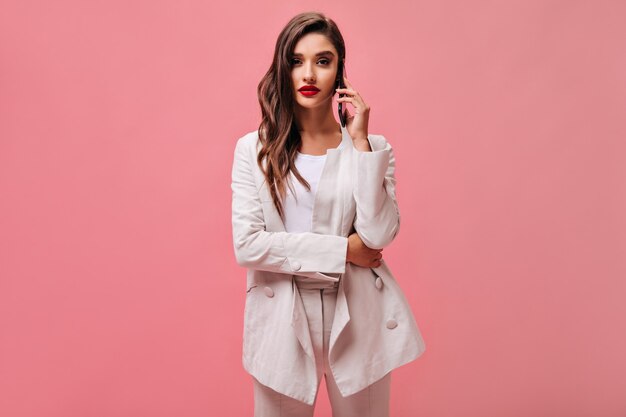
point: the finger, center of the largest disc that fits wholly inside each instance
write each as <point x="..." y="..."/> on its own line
<point x="346" y="82"/>
<point x="347" y="91"/>
<point x="349" y="99"/>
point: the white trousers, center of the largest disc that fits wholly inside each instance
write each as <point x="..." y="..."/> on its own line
<point x="372" y="401"/>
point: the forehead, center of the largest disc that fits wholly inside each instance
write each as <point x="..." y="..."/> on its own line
<point x="313" y="43"/>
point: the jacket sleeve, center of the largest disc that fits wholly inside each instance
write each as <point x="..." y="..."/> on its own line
<point x="308" y="254"/>
<point x="377" y="218"/>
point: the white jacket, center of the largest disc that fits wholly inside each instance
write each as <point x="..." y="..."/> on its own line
<point x="374" y="330"/>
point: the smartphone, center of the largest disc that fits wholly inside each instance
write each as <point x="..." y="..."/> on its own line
<point x="342" y="112"/>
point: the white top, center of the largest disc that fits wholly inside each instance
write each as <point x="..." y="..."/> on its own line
<point x="299" y="209"/>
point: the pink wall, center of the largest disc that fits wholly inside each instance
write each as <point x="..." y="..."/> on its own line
<point x="119" y="291"/>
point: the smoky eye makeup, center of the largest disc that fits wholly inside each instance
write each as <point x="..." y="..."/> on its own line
<point x="326" y="60"/>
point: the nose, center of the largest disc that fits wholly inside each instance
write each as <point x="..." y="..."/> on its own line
<point x="309" y="74"/>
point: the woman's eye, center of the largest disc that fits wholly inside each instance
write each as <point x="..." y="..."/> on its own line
<point x="323" y="61"/>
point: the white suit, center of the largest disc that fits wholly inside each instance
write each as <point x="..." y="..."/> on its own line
<point x="374" y="330"/>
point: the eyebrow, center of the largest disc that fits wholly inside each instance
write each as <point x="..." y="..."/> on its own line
<point x="317" y="54"/>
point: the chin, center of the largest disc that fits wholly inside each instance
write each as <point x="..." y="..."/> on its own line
<point x="307" y="105"/>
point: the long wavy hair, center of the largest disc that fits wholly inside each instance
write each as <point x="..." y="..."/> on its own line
<point x="278" y="133"/>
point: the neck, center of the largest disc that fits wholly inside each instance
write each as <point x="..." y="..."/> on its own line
<point x="314" y="122"/>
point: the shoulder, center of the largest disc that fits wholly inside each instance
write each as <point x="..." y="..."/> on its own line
<point x="249" y="140"/>
<point x="246" y="146"/>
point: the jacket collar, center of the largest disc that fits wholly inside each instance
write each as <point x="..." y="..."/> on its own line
<point x="346" y="140"/>
<point x="328" y="180"/>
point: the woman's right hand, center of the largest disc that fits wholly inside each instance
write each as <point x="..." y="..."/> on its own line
<point x="361" y="255"/>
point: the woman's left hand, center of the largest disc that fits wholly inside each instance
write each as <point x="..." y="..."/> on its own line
<point x="357" y="124"/>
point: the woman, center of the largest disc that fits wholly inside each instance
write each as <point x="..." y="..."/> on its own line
<point x="313" y="207"/>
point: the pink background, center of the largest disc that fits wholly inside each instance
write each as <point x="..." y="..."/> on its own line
<point x="119" y="291"/>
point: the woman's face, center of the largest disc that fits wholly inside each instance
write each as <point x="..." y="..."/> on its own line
<point x="314" y="63"/>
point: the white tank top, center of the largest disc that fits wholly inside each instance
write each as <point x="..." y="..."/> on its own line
<point x="298" y="214"/>
<point x="299" y="208"/>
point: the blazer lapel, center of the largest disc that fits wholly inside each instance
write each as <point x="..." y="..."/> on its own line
<point x="326" y="191"/>
<point x="325" y="220"/>
<point x="328" y="216"/>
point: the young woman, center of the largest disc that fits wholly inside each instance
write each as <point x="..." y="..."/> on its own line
<point x="313" y="207"/>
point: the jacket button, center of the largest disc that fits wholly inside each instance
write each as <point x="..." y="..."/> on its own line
<point x="391" y="324"/>
<point x="379" y="283"/>
<point x="268" y="291"/>
<point x="296" y="265"/>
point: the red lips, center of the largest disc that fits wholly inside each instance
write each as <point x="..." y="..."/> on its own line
<point x="308" y="90"/>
